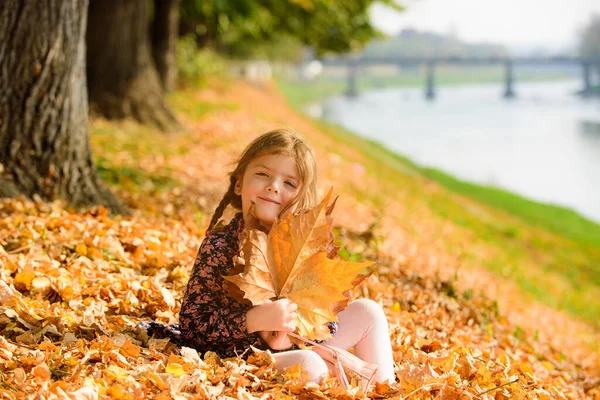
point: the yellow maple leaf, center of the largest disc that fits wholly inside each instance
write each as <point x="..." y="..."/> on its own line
<point x="175" y="369"/>
<point x="295" y="261"/>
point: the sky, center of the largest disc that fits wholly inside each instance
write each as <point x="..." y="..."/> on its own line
<point x="521" y="25"/>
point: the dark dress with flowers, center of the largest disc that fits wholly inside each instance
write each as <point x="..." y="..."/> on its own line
<point x="209" y="319"/>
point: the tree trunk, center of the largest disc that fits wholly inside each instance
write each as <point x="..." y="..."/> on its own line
<point x="122" y="80"/>
<point x="44" y="143"/>
<point x="165" y="26"/>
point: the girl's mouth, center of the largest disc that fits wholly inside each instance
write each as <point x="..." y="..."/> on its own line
<point x="268" y="200"/>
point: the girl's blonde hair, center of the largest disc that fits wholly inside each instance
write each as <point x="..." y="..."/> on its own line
<point x="279" y="141"/>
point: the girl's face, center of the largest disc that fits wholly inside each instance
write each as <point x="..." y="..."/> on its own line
<point x="271" y="182"/>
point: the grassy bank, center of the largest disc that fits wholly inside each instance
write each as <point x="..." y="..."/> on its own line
<point x="332" y="83"/>
<point x="556" y="219"/>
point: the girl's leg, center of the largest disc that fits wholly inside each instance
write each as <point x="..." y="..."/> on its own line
<point x="310" y="361"/>
<point x="363" y="325"/>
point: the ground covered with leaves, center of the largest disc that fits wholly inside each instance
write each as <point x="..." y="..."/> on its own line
<point x="75" y="284"/>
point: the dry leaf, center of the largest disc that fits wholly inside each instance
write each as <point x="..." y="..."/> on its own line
<point x="175" y="369"/>
<point x="293" y="261"/>
<point x="129" y="349"/>
<point x="6" y="292"/>
<point x="23" y="279"/>
<point x="41" y="371"/>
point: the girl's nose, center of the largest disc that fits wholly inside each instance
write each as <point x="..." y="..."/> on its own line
<point x="273" y="187"/>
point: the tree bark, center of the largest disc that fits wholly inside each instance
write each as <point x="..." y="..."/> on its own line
<point x="122" y="79"/>
<point x="165" y="27"/>
<point x="44" y="143"/>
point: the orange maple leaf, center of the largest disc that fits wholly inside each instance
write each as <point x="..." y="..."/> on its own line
<point x="295" y="261"/>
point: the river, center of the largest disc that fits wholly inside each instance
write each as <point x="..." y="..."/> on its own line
<point x="543" y="144"/>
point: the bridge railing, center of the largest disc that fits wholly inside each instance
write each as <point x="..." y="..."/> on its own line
<point x="354" y="64"/>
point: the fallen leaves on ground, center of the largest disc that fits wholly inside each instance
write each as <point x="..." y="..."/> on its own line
<point x="75" y="336"/>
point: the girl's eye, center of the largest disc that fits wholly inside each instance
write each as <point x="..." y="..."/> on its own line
<point x="290" y="184"/>
<point x="262" y="174"/>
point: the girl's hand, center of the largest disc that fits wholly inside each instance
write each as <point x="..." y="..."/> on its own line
<point x="276" y="340"/>
<point x="277" y="315"/>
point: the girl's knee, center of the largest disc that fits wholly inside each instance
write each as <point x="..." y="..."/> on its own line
<point x="369" y="308"/>
<point x="314" y="364"/>
<point x="311" y="363"/>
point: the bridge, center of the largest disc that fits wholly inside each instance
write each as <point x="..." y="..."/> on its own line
<point x="354" y="64"/>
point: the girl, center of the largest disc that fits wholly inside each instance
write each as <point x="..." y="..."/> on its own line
<point x="277" y="173"/>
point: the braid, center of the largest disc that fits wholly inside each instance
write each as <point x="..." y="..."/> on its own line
<point x="227" y="198"/>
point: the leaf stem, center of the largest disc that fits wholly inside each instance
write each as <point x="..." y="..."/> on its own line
<point x="498" y="387"/>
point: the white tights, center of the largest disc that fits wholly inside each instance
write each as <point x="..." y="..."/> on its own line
<point x="362" y="325"/>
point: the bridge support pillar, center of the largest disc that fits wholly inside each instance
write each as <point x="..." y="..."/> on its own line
<point x="509" y="91"/>
<point x="430" y="89"/>
<point x="587" y="79"/>
<point x="352" y="90"/>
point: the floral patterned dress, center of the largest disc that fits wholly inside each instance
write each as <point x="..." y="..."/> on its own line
<point x="209" y="319"/>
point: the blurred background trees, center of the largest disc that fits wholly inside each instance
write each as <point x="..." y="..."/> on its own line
<point x="122" y="77"/>
<point x="131" y="46"/>
<point x="129" y="52"/>
<point x="164" y="35"/>
<point x="242" y="28"/>
<point x="414" y="43"/>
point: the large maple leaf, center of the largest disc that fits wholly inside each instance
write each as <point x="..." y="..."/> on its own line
<point x="295" y="260"/>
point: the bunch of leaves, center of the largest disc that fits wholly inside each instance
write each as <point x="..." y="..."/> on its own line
<point x="296" y="260"/>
